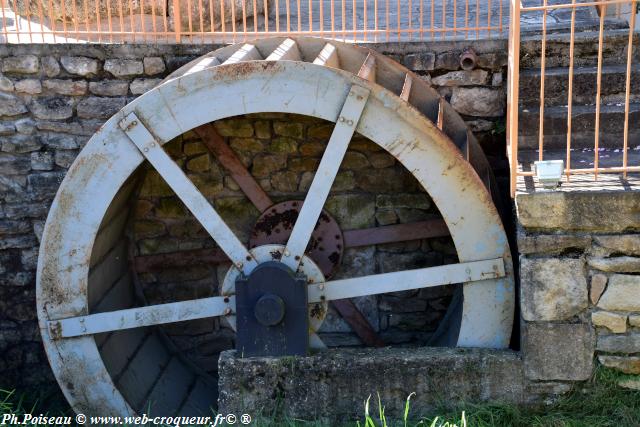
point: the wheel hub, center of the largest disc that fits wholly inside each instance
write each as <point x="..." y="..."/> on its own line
<point x="271" y="309"/>
<point x="326" y="245"/>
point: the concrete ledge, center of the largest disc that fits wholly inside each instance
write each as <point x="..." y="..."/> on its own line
<point x="595" y="211"/>
<point x="333" y="385"/>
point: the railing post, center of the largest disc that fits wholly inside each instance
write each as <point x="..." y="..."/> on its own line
<point x="513" y="89"/>
<point x="177" y="20"/>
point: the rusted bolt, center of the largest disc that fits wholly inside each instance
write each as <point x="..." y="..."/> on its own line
<point x="227" y="311"/>
<point x="248" y="258"/>
<point x="360" y="98"/>
<point x="321" y="286"/>
<point x="286" y="252"/>
<point x="145" y="149"/>
<point x="468" y="59"/>
<point x="239" y="265"/>
<point x="226" y="299"/>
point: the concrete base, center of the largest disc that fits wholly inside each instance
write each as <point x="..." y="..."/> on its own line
<point x="333" y="385"/>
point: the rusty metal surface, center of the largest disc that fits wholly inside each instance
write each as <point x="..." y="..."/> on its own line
<point x="230" y="161"/>
<point x="396" y="233"/>
<point x="358" y="322"/>
<point x="325" y="247"/>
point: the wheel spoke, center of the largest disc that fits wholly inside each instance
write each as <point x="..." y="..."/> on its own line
<point x="395" y="233"/>
<point x="142" y="316"/>
<point x="352" y="238"/>
<point x="407" y="280"/>
<point x="358" y="323"/>
<point x="188" y="193"/>
<point x="325" y="175"/>
<point x="230" y="161"/>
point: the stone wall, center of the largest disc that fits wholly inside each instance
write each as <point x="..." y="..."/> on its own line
<point x="54" y="97"/>
<point x="580" y="288"/>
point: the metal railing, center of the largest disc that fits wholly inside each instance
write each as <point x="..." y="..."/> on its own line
<point x="210" y="21"/>
<point x="625" y="10"/>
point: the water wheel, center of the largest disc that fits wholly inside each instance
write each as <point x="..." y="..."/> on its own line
<point x="103" y="335"/>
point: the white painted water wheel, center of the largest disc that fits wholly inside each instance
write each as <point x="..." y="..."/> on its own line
<point x="104" y="356"/>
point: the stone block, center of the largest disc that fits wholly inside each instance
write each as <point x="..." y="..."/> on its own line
<point x="50" y="66"/>
<point x="124" y="67"/>
<point x="21" y="144"/>
<point x="558" y="351"/>
<point x="292" y="129"/>
<point x="42" y="161"/>
<point x="140" y="86"/>
<point x="462" y="78"/>
<point x="417" y="201"/>
<point x="478" y="101"/>
<point x="448" y="61"/>
<point x="552" y="288"/>
<point x="423" y="61"/>
<point x="622" y="293"/>
<point x="7" y="128"/>
<point x="14" y="165"/>
<point x="64" y="158"/>
<point x="153" y="65"/>
<point x="626" y="344"/>
<point x="66" y="87"/>
<point x="621" y="243"/>
<point x="283" y="145"/>
<point x="497" y="79"/>
<point x="265" y="164"/>
<point x="29" y="86"/>
<point x="45" y="184"/>
<point x="615" y="322"/>
<point x="352" y="211"/>
<point x="234" y="127"/>
<point x="22" y="64"/>
<point x="354" y="161"/>
<point x="634" y="320"/>
<point x="26" y="126"/>
<point x="325" y="386"/>
<point x="6" y="84"/>
<point x="619" y="264"/>
<point x="626" y="364"/>
<point x="480" y="125"/>
<point x="61" y="142"/>
<point x="11" y="105"/>
<point x="286" y="181"/>
<point x="109" y="88"/>
<point x="535" y="243"/>
<point x="381" y="160"/>
<point x="79" y="65"/>
<point x="51" y="108"/>
<point x="598" y="285"/>
<point x="99" y="108"/>
<point x="579" y="211"/>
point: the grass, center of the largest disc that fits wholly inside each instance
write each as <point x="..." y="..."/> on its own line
<point x="598" y="403"/>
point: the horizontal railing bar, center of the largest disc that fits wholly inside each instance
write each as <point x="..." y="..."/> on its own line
<point x="613" y="169"/>
<point x="573" y="5"/>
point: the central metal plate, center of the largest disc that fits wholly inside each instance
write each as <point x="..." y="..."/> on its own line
<point x="275" y="224"/>
<point x="271" y="310"/>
